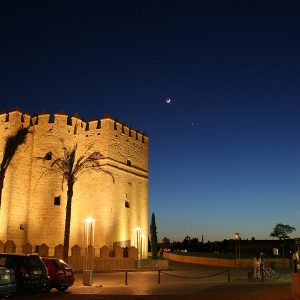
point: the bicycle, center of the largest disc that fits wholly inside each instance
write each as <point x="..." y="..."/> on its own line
<point x="268" y="272"/>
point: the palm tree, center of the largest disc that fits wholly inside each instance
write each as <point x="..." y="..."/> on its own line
<point x="12" y="144"/>
<point x="71" y="169"/>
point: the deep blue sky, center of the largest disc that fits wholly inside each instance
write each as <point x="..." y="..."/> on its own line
<point x="225" y="153"/>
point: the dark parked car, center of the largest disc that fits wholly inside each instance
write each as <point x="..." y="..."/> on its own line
<point x="30" y="272"/>
<point x="7" y="282"/>
<point x="60" y="273"/>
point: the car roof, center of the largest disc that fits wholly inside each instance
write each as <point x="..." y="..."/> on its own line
<point x="17" y="254"/>
<point x="13" y="254"/>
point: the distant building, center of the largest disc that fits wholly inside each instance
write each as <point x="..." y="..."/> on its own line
<point x="34" y="201"/>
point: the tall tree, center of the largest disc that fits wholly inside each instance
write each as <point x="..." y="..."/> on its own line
<point x="282" y="232"/>
<point x="153" y="233"/>
<point x="71" y="169"/>
<point x="166" y="241"/>
<point x="11" y="146"/>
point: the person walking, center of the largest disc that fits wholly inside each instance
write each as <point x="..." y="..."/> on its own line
<point x="295" y="259"/>
<point x="256" y="265"/>
<point x="291" y="261"/>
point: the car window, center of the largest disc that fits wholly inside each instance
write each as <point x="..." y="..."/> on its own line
<point x="33" y="261"/>
<point x="14" y="261"/>
<point x="59" y="263"/>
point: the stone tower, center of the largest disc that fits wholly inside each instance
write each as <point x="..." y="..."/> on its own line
<point x="34" y="198"/>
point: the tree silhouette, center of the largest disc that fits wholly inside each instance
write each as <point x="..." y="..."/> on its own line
<point x="11" y="146"/>
<point x="282" y="232"/>
<point x="166" y="241"/>
<point x="153" y="233"/>
<point x="71" y="169"/>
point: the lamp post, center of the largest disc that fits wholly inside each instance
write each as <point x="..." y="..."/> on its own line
<point x="142" y="245"/>
<point x="88" y="262"/>
<point x="237" y="245"/>
<point x="138" y="242"/>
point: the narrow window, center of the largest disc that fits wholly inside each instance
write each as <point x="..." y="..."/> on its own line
<point x="128" y="162"/>
<point x="127" y="205"/>
<point x="48" y="156"/>
<point x="57" y="200"/>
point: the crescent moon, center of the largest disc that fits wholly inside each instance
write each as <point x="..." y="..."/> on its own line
<point x="168" y="100"/>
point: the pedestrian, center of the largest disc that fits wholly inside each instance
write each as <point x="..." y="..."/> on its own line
<point x="161" y="252"/>
<point x="291" y="261"/>
<point x="256" y="265"/>
<point x="295" y="259"/>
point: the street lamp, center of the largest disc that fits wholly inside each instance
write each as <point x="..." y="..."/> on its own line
<point x="142" y="245"/>
<point x="89" y="242"/>
<point x="138" y="242"/>
<point x="237" y="245"/>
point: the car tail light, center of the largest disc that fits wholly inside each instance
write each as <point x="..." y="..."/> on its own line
<point x="60" y="272"/>
<point x="24" y="272"/>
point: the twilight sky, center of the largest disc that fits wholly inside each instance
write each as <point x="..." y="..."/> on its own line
<point x="225" y="153"/>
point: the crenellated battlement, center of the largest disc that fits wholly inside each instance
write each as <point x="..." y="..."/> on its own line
<point x="15" y="118"/>
<point x="121" y="128"/>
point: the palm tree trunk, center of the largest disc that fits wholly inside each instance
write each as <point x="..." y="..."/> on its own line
<point x="68" y="221"/>
<point x="2" y="175"/>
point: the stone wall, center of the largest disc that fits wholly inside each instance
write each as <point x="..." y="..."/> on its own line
<point x="222" y="262"/>
<point x="117" y="259"/>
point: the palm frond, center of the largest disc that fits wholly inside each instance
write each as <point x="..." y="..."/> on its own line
<point x="11" y="145"/>
<point x="86" y="162"/>
<point x="71" y="168"/>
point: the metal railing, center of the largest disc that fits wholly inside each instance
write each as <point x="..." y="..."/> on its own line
<point x="159" y="272"/>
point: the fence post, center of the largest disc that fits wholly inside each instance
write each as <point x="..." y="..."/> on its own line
<point x="126" y="278"/>
<point x="158" y="278"/>
<point x="228" y="275"/>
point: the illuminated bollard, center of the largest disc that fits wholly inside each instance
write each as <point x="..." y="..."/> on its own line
<point x="88" y="262"/>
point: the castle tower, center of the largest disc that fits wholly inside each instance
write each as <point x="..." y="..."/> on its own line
<point x="34" y="198"/>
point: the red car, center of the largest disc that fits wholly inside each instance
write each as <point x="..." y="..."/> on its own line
<point x="60" y="273"/>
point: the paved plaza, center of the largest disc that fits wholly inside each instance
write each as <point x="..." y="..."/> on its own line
<point x="182" y="281"/>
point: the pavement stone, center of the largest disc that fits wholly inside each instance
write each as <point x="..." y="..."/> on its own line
<point x="188" y="284"/>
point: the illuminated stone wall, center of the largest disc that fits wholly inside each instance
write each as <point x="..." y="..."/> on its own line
<point x="28" y="213"/>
